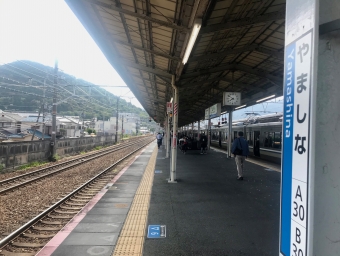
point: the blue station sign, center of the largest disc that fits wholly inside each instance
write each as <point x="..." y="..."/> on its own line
<point x="296" y="146"/>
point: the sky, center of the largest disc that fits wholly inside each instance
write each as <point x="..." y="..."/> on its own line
<point x="46" y="30"/>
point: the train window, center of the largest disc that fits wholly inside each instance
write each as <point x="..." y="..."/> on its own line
<point x="272" y="139"/>
<point x="268" y="139"/>
<point x="277" y="140"/>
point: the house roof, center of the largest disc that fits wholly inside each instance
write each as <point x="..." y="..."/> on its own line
<point x="5" y="119"/>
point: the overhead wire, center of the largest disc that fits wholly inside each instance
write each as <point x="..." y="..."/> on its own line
<point x="63" y="89"/>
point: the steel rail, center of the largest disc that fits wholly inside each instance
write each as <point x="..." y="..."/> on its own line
<point x="33" y="221"/>
<point x="63" y="169"/>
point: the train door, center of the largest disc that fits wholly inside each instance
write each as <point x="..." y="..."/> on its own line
<point x="235" y="135"/>
<point x="219" y="138"/>
<point x="256" y="145"/>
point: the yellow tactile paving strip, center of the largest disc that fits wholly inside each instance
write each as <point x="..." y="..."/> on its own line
<point x="131" y="238"/>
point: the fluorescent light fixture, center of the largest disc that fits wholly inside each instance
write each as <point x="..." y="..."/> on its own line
<point x="224" y="112"/>
<point x="171" y="99"/>
<point x="194" y="33"/>
<point x="241" y="106"/>
<point x="266" y="98"/>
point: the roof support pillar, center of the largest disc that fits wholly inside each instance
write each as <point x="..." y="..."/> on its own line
<point x="230" y="125"/>
<point x="167" y="136"/>
<point x="174" y="133"/>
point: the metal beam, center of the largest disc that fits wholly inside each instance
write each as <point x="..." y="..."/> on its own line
<point x="223" y="53"/>
<point x="145" y="68"/>
<point x="208" y="71"/>
<point x="196" y="83"/>
<point x="273" y="53"/>
<point x="245" y="22"/>
<point x="223" y="79"/>
<point x="147" y="80"/>
<point x="138" y="15"/>
<point x="237" y="83"/>
<point x="252" y="47"/>
<point x="145" y="49"/>
<point x="276" y="80"/>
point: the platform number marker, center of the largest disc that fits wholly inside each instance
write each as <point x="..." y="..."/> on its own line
<point x="156" y="231"/>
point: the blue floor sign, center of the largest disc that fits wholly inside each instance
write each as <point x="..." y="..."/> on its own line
<point x="156" y="231"/>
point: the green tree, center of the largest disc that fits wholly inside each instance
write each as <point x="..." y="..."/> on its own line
<point x="89" y="130"/>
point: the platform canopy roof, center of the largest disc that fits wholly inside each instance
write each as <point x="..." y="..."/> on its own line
<point x="239" y="48"/>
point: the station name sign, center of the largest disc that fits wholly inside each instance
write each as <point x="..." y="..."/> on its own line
<point x="296" y="146"/>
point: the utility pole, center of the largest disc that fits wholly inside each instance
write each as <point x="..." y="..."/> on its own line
<point x="54" y="110"/>
<point x="103" y="126"/>
<point x="83" y="127"/>
<point x="36" y="122"/>
<point x="122" y="127"/>
<point x="43" y="113"/>
<point x="117" y="121"/>
<point x="74" y="134"/>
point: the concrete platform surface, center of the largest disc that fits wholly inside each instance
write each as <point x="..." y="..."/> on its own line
<point x="210" y="212"/>
<point x="207" y="212"/>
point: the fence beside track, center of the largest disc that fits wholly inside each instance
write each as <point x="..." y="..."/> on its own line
<point x="58" y="167"/>
<point x="14" y="154"/>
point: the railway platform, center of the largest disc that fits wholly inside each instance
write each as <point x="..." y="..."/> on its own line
<point x="207" y="212"/>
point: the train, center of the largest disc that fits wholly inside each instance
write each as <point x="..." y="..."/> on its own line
<point x="263" y="133"/>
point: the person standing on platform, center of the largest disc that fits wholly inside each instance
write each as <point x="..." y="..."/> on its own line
<point x="257" y="147"/>
<point x="159" y="138"/>
<point x="204" y="141"/>
<point x="240" y="149"/>
<point x="185" y="145"/>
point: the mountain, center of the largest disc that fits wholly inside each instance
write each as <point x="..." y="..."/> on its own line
<point x="23" y="85"/>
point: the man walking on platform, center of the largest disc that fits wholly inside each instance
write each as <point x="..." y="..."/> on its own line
<point x="240" y="149"/>
<point x="203" y="141"/>
<point x="159" y="138"/>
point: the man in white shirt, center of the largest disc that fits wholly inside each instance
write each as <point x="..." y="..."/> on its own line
<point x="159" y="138"/>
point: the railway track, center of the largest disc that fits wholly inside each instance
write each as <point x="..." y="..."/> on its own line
<point x="30" y="237"/>
<point x="28" y="178"/>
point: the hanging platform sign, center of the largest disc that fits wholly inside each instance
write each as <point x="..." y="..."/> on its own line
<point x="296" y="203"/>
<point x="168" y="107"/>
<point x="213" y="111"/>
<point x="206" y="115"/>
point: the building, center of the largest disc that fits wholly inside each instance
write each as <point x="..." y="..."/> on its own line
<point x="69" y="126"/>
<point x="128" y="122"/>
